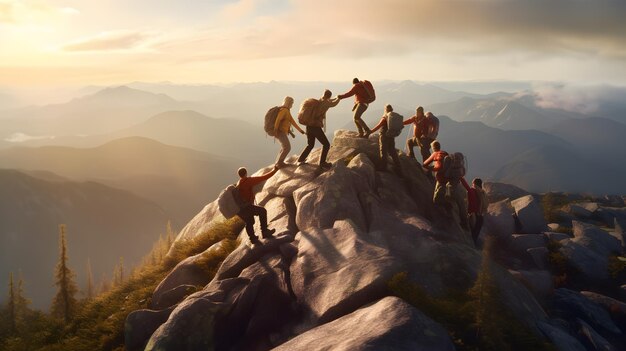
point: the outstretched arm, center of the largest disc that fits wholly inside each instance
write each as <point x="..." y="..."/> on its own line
<point x="465" y="185"/>
<point x="429" y="160"/>
<point x="266" y="176"/>
<point x="293" y="122"/>
<point x="409" y="121"/>
<point x="334" y="102"/>
<point x="349" y="93"/>
<point x="379" y="125"/>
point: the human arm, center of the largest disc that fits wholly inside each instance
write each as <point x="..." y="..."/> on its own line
<point x="429" y="160"/>
<point x="409" y="121"/>
<point x="334" y="102"/>
<point x="293" y="122"/>
<point x="379" y="125"/>
<point x="261" y="178"/>
<point x="349" y="93"/>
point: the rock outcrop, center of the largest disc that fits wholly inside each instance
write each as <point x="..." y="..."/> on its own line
<point x="342" y="235"/>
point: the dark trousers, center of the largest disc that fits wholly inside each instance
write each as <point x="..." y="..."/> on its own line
<point x="313" y="133"/>
<point x="388" y="148"/>
<point x="361" y="126"/>
<point x="247" y="213"/>
<point x="424" y="145"/>
<point x="476" y="224"/>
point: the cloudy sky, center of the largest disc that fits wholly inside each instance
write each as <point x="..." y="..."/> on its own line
<point x="65" y="42"/>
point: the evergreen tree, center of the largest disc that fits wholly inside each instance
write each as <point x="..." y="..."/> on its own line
<point x="21" y="302"/>
<point x="11" y="305"/>
<point x="64" y="302"/>
<point x="90" y="293"/>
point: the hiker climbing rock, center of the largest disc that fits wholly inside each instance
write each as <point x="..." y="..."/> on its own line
<point x="248" y="208"/>
<point x="437" y="158"/>
<point x="282" y="127"/>
<point x="425" y="131"/>
<point x="477" y="205"/>
<point x="313" y="115"/>
<point x="364" y="95"/>
<point x="391" y="126"/>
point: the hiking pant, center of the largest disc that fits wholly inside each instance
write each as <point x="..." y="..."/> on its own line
<point x="439" y="196"/>
<point x="424" y="145"/>
<point x="476" y="224"/>
<point x="458" y="198"/>
<point x="359" y="109"/>
<point x="388" y="148"/>
<point x="313" y="133"/>
<point x="285" y="147"/>
<point x="247" y="213"/>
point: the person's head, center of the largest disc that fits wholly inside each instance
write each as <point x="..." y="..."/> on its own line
<point x="419" y="111"/>
<point x="388" y="108"/>
<point x="288" y="102"/>
<point x="435" y="145"/>
<point x="355" y="80"/>
<point x="327" y="94"/>
<point x="242" y="172"/>
<point x="477" y="183"/>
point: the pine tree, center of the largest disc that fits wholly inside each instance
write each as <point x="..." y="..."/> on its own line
<point x="64" y="302"/>
<point x="21" y="302"/>
<point x="90" y="293"/>
<point x="11" y="305"/>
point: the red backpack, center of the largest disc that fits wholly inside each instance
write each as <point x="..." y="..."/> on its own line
<point x="369" y="89"/>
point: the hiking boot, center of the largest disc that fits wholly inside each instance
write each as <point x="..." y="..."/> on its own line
<point x="255" y="241"/>
<point x="366" y="135"/>
<point x="326" y="165"/>
<point x="267" y="233"/>
<point x="301" y="163"/>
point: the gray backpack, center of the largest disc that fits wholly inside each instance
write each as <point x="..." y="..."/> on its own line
<point x="454" y="166"/>
<point x="229" y="201"/>
<point x="394" y="124"/>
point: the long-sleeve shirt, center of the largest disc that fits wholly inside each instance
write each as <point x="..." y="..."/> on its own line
<point x="437" y="157"/>
<point x="358" y="89"/>
<point x="381" y="125"/>
<point x="419" y="129"/>
<point x="246" y="185"/>
<point x="284" y="120"/>
<point x="476" y="199"/>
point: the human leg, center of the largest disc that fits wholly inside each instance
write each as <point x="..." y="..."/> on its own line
<point x="285" y="148"/>
<point x="410" y="144"/>
<point x="310" y="138"/>
<point x="424" y="144"/>
<point x="360" y="123"/>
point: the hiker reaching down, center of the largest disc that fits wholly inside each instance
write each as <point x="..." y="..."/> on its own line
<point x="314" y="126"/>
<point x="248" y="208"/>
<point x="364" y="95"/>
<point x="391" y="126"/>
<point x="282" y="126"/>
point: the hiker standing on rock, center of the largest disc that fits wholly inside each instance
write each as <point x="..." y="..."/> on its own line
<point x="249" y="209"/>
<point x="363" y="96"/>
<point x="391" y="126"/>
<point x="477" y="205"/>
<point x="418" y="133"/>
<point x="437" y="158"/>
<point x="314" y="123"/>
<point x="282" y="127"/>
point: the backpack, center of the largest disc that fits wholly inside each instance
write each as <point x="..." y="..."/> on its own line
<point x="394" y="124"/>
<point x="369" y="89"/>
<point x="454" y="166"/>
<point x="270" y="120"/>
<point x="433" y="127"/>
<point x="309" y="112"/>
<point x="229" y="201"/>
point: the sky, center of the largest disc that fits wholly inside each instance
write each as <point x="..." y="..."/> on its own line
<point x="46" y="43"/>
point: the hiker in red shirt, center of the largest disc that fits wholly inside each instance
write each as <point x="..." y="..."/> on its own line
<point x="418" y="133"/>
<point x="437" y="157"/>
<point x="362" y="100"/>
<point x="477" y="205"/>
<point x="249" y="209"/>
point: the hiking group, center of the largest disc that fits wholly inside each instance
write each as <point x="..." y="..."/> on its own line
<point x="448" y="168"/>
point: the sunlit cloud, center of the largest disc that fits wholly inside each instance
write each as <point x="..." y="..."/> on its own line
<point x="21" y="137"/>
<point x="109" y="41"/>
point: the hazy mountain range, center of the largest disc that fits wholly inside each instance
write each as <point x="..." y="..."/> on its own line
<point x="165" y="150"/>
<point x="103" y="224"/>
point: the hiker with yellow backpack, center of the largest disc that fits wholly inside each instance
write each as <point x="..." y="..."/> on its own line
<point x="313" y="115"/>
<point x="278" y="122"/>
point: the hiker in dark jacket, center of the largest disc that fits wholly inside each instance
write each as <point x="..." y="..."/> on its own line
<point x="315" y="131"/>
<point x="418" y="134"/>
<point x="282" y="127"/>
<point x="387" y="144"/>
<point x="249" y="209"/>
<point x="477" y="205"/>
<point x="360" y="105"/>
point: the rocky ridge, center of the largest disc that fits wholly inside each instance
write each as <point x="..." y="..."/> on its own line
<point x="342" y="235"/>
